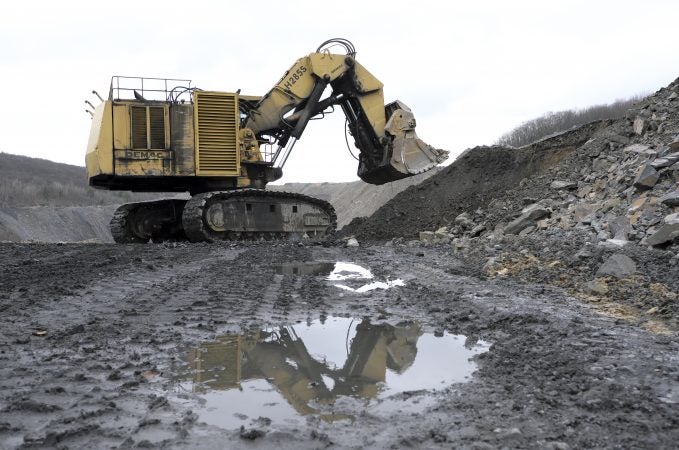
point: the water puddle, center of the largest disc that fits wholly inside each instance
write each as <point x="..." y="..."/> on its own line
<point x="333" y="369"/>
<point x="343" y="275"/>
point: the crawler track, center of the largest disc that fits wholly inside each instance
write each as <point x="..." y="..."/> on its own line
<point x="197" y="229"/>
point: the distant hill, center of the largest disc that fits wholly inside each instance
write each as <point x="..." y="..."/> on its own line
<point x="28" y="181"/>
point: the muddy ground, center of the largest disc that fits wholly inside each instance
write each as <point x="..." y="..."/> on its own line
<point x="94" y="338"/>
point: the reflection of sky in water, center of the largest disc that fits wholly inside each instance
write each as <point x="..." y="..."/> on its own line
<point x="345" y="271"/>
<point x="257" y="398"/>
<point x="426" y="362"/>
<point x="440" y="361"/>
<point x="329" y="341"/>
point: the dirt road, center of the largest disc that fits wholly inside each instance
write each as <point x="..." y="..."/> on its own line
<point x="220" y="346"/>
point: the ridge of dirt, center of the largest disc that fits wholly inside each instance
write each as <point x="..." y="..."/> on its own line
<point x="473" y="180"/>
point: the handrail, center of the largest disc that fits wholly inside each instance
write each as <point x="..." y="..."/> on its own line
<point x="149" y="88"/>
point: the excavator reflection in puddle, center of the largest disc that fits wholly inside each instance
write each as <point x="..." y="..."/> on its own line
<point x="279" y="356"/>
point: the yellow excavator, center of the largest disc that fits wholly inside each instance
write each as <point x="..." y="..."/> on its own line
<point x="165" y="135"/>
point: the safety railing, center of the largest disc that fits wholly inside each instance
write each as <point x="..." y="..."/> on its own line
<point x="144" y="88"/>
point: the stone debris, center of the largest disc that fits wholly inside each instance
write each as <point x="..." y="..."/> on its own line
<point x="639" y="126"/>
<point x="647" y="177"/>
<point x="529" y="216"/>
<point x="618" y="266"/>
<point x="667" y="234"/>
<point x="671" y="199"/>
<point x="352" y="242"/>
<point x="561" y="184"/>
<point x="596" y="287"/>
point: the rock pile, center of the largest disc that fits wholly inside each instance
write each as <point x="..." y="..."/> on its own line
<point x="594" y="210"/>
<point x="621" y="186"/>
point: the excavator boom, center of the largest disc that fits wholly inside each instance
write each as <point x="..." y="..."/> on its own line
<point x="385" y="135"/>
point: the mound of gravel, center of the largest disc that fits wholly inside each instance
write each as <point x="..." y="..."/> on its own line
<point x="477" y="177"/>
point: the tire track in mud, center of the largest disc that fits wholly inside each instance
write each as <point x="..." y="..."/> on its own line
<point x="556" y="372"/>
<point x="238" y="289"/>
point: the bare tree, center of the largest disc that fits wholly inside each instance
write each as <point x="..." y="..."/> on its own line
<point x="555" y="122"/>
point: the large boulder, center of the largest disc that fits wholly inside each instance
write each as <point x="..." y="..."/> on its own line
<point x="563" y="184"/>
<point x="667" y="234"/>
<point x="640" y="126"/>
<point x="647" y="177"/>
<point x="618" y="266"/>
<point x="529" y="216"/>
<point x="671" y="199"/>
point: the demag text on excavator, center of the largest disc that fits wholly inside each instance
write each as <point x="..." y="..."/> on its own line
<point x="165" y="135"/>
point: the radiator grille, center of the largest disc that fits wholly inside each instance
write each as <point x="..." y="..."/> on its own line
<point x="157" y="127"/>
<point x="148" y="126"/>
<point x="216" y="116"/>
<point x="138" y="114"/>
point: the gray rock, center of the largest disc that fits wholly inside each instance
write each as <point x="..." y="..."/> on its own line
<point x="641" y="149"/>
<point x="601" y="164"/>
<point x="427" y="236"/>
<point x="441" y="233"/>
<point x="620" y="227"/>
<point x="618" y="266"/>
<point x="557" y="445"/>
<point x="646" y="177"/>
<point x="615" y="243"/>
<point x="618" y="139"/>
<point x="640" y="126"/>
<point x="477" y="230"/>
<point x="672" y="96"/>
<point x="352" y="242"/>
<point x="671" y="199"/>
<point x="584" y="253"/>
<point x="489" y="265"/>
<point x="526" y="231"/>
<point x="666" y="234"/>
<point x="673" y="157"/>
<point x="596" y="287"/>
<point x="603" y="235"/>
<point x="529" y="216"/>
<point x="661" y="162"/>
<point x="672" y="219"/>
<point x="460" y="244"/>
<point x="674" y="145"/>
<point x="583" y="212"/>
<point x="563" y="184"/>
<point x="464" y="221"/>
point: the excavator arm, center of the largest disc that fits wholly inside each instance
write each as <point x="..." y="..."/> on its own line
<point x="385" y="135"/>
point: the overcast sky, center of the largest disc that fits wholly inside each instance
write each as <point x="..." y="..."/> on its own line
<point x="470" y="71"/>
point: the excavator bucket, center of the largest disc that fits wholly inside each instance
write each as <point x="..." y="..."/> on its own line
<point x="409" y="154"/>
